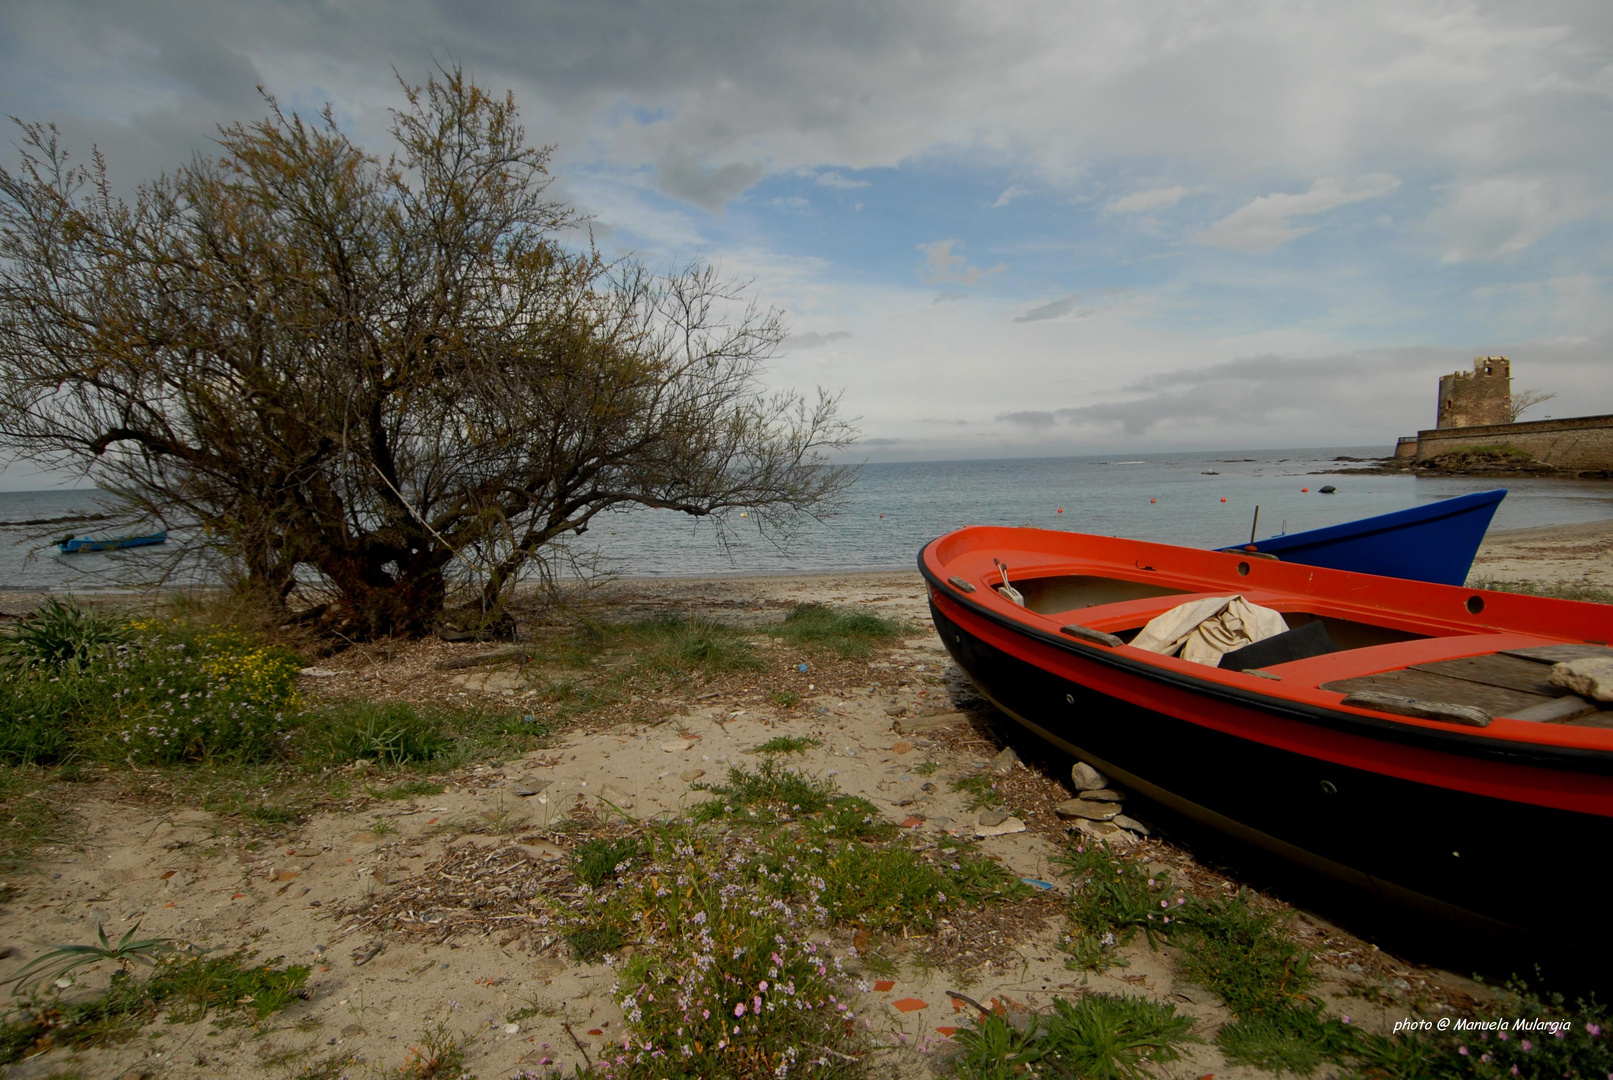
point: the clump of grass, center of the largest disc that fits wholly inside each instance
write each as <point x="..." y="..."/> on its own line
<point x="927" y="767"/>
<point x="599" y="860"/>
<point x="851" y="634"/>
<point x="65" y="959"/>
<point x="768" y="794"/>
<point x="1112" y="899"/>
<point x="407" y="789"/>
<point x="681" y="646"/>
<point x="60" y="635"/>
<point x="389" y="735"/>
<point x="593" y="941"/>
<point x="788" y="744"/>
<point x="1099" y="1036"/>
<point x="1298" y="1039"/>
<point x="982" y="792"/>
<point x="189" y="988"/>
<point x="1245" y="955"/>
<point x="29" y="817"/>
<point x="440" y="1056"/>
<point x="784" y="699"/>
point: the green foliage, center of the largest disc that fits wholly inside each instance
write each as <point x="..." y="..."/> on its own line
<point x="64" y="959"/>
<point x="784" y="699"/>
<point x="1097" y="1037"/>
<point x="771" y="793"/>
<point x="392" y="734"/>
<point x="440" y="1056"/>
<point x="1113" y="898"/>
<point x="593" y="941"/>
<point x="982" y="792"/>
<point x="677" y="645"/>
<point x="599" y="860"/>
<point x="168" y="693"/>
<point x="1245" y="955"/>
<point x="788" y="744"/>
<point x="61" y="634"/>
<point x="190" y="988"/>
<point x="1296" y="1038"/>
<point x="851" y="634"/>
<point x="927" y="767"/>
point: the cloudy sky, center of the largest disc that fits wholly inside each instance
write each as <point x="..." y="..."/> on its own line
<point x="1006" y="227"/>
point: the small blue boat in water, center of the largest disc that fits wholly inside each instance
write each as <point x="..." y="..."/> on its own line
<point x="72" y="545"/>
<point x="1435" y="542"/>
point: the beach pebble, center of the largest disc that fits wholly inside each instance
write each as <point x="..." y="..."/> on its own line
<point x="529" y="785"/>
<point x="1002" y="828"/>
<point x="318" y="673"/>
<point x="1589" y="677"/>
<point x="676" y="746"/>
<point x="1086" y="778"/>
<point x="896" y="710"/>
<point x="1081" y="808"/>
<point x="1103" y="794"/>
<point x="993" y="817"/>
<point x="1004" y="762"/>
<point x="689" y="776"/>
<point x="1106" y="831"/>
<point x="1131" y="824"/>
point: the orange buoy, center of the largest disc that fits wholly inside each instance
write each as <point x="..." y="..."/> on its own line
<point x="1304" y="489"/>
<point x="1061" y="509"/>
<point x="1223" y="498"/>
<point x="882" y="515"/>
<point x="1153" y="500"/>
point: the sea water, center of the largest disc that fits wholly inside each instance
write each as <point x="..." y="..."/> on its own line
<point x="1203" y="500"/>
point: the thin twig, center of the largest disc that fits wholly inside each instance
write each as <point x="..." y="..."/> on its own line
<point x="578" y="1043"/>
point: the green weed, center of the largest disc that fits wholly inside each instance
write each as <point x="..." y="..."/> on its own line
<point x="770" y="793"/>
<point x="1295" y="1038"/>
<point x="440" y="1056"/>
<point x="599" y="860"/>
<point x="927" y="768"/>
<point x="680" y="646"/>
<point x="1097" y="1037"/>
<point x="982" y="792"/>
<point x="389" y="735"/>
<point x="784" y="699"/>
<point x="1112" y="899"/>
<point x="60" y="635"/>
<point x="591" y="942"/>
<point x="65" y="959"/>
<point x="851" y="634"/>
<point x="1245" y="955"/>
<point x="788" y="744"/>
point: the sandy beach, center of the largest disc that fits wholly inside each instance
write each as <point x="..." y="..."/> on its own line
<point x="402" y="908"/>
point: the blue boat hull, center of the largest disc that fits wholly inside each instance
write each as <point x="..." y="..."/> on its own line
<point x="72" y="546"/>
<point x="1435" y="542"/>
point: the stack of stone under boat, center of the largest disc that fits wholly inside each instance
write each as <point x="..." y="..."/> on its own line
<point x="1096" y="809"/>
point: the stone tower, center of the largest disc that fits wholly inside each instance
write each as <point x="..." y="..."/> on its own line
<point x="1480" y="396"/>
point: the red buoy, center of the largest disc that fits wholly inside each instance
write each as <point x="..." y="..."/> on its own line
<point x="1061" y="509"/>
<point x="1304" y="489"/>
<point x="1223" y="498"/>
<point x="1153" y="500"/>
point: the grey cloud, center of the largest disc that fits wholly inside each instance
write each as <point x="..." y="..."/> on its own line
<point x="1054" y="309"/>
<point x="1036" y="420"/>
<point x="813" y="340"/>
<point x="708" y="188"/>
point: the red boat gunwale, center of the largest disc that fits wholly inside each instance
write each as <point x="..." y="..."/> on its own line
<point x="1545" y="764"/>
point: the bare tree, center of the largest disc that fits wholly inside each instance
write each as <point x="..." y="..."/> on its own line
<point x="1524" y="400"/>
<point x="391" y="373"/>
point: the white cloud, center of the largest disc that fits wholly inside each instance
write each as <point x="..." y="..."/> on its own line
<point x="1494" y="216"/>
<point x="945" y="266"/>
<point x="1010" y="193"/>
<point x="1266" y="223"/>
<point x="1140" y="202"/>
<point x="836" y="180"/>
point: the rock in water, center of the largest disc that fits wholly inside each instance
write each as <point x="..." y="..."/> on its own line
<point x="1132" y="824"/>
<point x="1589" y="677"/>
<point x="1091" y="811"/>
<point x="1086" y="778"/>
<point x="1004" y="762"/>
<point x="993" y="817"/>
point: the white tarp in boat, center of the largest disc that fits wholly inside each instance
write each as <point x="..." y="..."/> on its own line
<point x="1205" y="630"/>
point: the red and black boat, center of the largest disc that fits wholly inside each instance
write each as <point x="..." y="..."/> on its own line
<point x="1400" y="735"/>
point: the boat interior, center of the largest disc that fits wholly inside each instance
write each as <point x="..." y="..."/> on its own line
<point x="1428" y="651"/>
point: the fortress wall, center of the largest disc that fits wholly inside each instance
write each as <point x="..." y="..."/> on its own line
<point x="1580" y="443"/>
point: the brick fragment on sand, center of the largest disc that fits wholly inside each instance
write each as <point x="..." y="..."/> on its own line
<point x="903" y="747"/>
<point x="909" y="1005"/>
<point x="912" y="823"/>
<point x="947" y="1031"/>
<point x="884" y="984"/>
